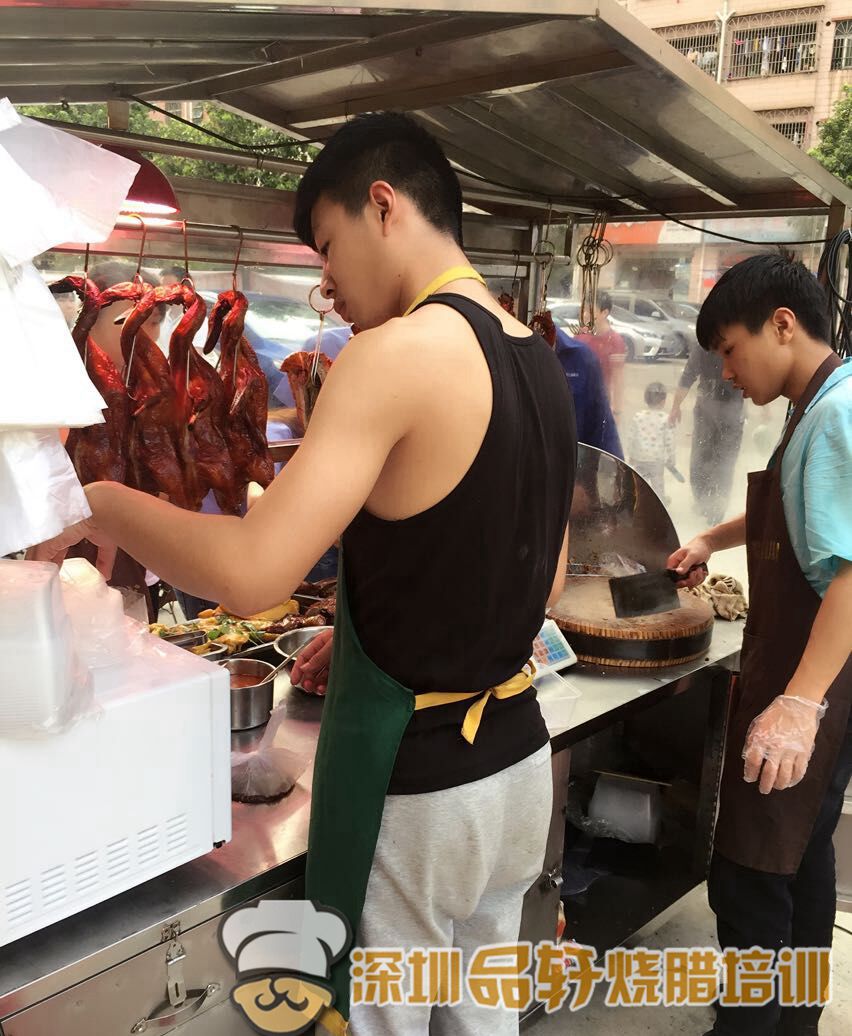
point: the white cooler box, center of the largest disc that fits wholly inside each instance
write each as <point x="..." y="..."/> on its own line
<point x="141" y="785"/>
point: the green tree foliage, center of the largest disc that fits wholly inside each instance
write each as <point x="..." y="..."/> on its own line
<point x="834" y="149"/>
<point x="234" y="127"/>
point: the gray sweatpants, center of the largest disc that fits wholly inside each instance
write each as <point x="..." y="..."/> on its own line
<point x="451" y="869"/>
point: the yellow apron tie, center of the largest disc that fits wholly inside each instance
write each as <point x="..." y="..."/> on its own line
<point x="455" y="273"/>
<point x="516" y="684"/>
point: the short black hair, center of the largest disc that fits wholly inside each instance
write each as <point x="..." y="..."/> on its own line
<point x="750" y="292"/>
<point x="604" y="301"/>
<point x="381" y="146"/>
<point x="655" y="393"/>
<point x="111" y="271"/>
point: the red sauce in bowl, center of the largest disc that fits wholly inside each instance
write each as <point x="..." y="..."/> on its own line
<point x="239" y="680"/>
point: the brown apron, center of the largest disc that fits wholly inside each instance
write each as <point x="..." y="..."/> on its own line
<point x="770" y="832"/>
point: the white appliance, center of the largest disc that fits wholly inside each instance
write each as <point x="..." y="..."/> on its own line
<point x="137" y="786"/>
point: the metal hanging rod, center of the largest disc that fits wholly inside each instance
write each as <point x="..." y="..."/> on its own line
<point x="226" y="156"/>
<point x="209" y="231"/>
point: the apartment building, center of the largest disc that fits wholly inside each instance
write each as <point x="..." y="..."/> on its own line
<point x="786" y="61"/>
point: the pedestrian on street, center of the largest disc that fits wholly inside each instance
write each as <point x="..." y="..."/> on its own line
<point x="717" y="431"/>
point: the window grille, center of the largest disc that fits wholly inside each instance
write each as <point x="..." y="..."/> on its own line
<point x="698" y="42"/>
<point x="841" y="56"/>
<point x="792" y="123"/>
<point x="781" y="43"/>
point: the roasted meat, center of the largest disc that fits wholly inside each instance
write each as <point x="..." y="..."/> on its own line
<point x="543" y="324"/>
<point x="202" y="408"/>
<point x="97" y="451"/>
<point x="295" y="622"/>
<point x="246" y="391"/>
<point x="154" y="447"/>
<point x="305" y="388"/>
<point x="325" y="608"/>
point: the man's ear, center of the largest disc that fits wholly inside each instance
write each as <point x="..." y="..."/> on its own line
<point x="784" y="323"/>
<point x="382" y="199"/>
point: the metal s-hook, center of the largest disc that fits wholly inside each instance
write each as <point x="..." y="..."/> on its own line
<point x="135" y="215"/>
<point x="319" y="312"/>
<point x="322" y="315"/>
<point x="186" y="279"/>
<point x="239" y="231"/>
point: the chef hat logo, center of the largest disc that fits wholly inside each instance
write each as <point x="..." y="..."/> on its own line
<point x="285" y="935"/>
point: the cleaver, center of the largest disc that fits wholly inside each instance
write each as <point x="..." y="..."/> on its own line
<point x="648" y="592"/>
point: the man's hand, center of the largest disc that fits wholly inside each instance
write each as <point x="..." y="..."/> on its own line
<point x="696" y="552"/>
<point x="310" y="669"/>
<point x="675" y="415"/>
<point x="55" y="549"/>
<point x="781" y="741"/>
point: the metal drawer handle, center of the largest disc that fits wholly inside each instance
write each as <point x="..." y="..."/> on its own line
<point x="186" y="1010"/>
<point x="553" y="879"/>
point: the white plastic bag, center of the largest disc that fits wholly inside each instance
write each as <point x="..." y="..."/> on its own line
<point x="43" y="686"/>
<point x="44" y="383"/>
<point x="101" y="635"/>
<point x="40" y="494"/>
<point x="56" y="187"/>
<point x="272" y="769"/>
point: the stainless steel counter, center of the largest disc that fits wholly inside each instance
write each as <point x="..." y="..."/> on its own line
<point x="269" y="841"/>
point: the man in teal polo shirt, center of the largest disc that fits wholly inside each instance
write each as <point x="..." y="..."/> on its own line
<point x="788" y="756"/>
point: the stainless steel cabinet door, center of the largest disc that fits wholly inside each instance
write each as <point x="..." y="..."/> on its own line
<point x="135" y="997"/>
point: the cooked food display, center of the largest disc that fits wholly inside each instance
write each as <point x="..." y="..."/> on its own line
<point x="173" y="426"/>
<point x="238" y="633"/>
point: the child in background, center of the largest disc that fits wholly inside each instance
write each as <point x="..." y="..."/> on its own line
<point x="650" y="440"/>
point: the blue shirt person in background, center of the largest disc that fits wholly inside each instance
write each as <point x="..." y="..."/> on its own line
<point x="595" y="423"/>
<point x="332" y="342"/>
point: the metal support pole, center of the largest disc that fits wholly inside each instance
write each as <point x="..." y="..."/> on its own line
<point x="724" y="16"/>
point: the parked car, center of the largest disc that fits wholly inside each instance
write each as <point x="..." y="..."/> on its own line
<point x="679" y="321"/>
<point x="644" y="339"/>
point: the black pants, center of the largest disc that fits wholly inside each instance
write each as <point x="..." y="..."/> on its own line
<point x="754" y="908"/>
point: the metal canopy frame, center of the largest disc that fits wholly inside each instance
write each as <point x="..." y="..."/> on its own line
<point x="567" y="106"/>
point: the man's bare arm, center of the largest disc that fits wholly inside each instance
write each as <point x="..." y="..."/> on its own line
<point x="255" y="562"/>
<point x="830" y="642"/>
<point x="698" y="550"/>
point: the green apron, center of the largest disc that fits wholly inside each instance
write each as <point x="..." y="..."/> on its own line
<point x="364" y="718"/>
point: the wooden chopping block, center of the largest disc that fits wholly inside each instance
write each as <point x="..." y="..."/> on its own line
<point x="586" y="616"/>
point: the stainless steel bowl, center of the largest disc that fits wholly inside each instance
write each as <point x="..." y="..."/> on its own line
<point x="296" y="640"/>
<point x="195" y="638"/>
<point x="250" y="706"/>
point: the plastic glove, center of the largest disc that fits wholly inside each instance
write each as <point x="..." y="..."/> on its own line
<point x="781" y="741"/>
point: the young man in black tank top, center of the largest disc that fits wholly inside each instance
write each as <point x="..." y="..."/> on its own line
<point x="442" y="449"/>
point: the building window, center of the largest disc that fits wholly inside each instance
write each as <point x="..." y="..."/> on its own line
<point x="774" y="44"/>
<point x="698" y="42"/>
<point x="792" y="123"/>
<point x="841" y="56"/>
<point x="173" y="107"/>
